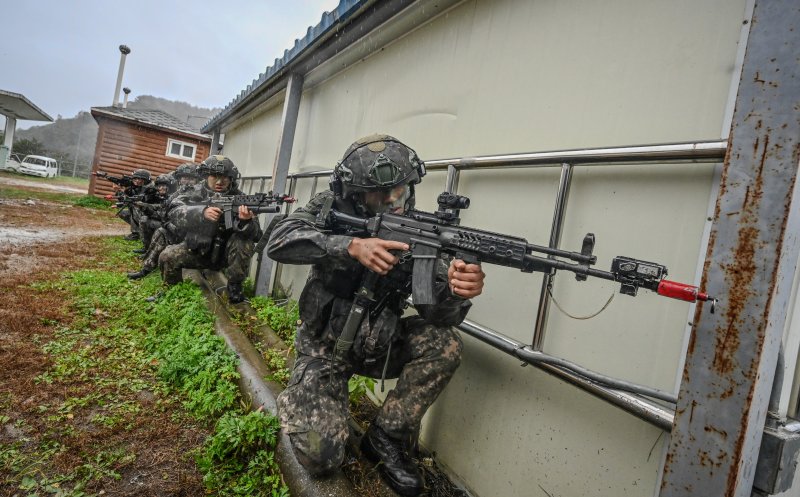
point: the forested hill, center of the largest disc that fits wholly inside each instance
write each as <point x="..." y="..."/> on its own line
<point x="68" y="136"/>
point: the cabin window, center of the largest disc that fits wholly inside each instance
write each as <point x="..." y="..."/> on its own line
<point x="180" y="150"/>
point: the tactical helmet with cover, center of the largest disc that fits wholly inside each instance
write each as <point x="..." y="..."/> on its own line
<point x="141" y="174"/>
<point x="218" y="165"/>
<point x="165" y="179"/>
<point x="186" y="170"/>
<point x="377" y="163"/>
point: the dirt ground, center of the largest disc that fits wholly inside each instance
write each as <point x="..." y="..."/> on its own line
<point x="27" y="226"/>
<point x="38" y="241"/>
<point x="15" y="181"/>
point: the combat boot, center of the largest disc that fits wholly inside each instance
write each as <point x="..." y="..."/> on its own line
<point x="139" y="251"/>
<point x="137" y="275"/>
<point x="398" y="468"/>
<point x="235" y="294"/>
<point x="132" y="236"/>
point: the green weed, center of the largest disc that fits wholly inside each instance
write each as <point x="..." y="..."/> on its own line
<point x="92" y="202"/>
<point x="357" y="387"/>
<point x="239" y="458"/>
<point x="276" y="360"/>
<point x="282" y="318"/>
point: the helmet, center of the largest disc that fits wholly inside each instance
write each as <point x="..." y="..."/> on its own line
<point x="165" y="179"/>
<point x="141" y="174"/>
<point x="187" y="169"/>
<point x="376" y="162"/>
<point x="218" y="165"/>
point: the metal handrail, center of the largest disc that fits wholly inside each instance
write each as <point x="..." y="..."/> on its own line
<point x="671" y="153"/>
<point x="587" y="380"/>
<point x="702" y="151"/>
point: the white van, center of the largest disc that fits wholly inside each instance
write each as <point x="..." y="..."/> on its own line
<point x="37" y="165"/>
<point x="13" y="162"/>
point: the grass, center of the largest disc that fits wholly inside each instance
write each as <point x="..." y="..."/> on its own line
<point x="89" y="201"/>
<point x="281" y="316"/>
<point x="116" y="349"/>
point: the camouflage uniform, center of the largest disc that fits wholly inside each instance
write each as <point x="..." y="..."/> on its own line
<point x="134" y="214"/>
<point x="165" y="235"/>
<point x="207" y="245"/>
<point x="422" y="352"/>
<point x="128" y="214"/>
<point x="151" y="216"/>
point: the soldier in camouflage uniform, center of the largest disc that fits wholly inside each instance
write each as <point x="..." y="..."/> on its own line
<point x="141" y="180"/>
<point x="377" y="174"/>
<point x="186" y="177"/>
<point x="151" y="209"/>
<point x="206" y="243"/>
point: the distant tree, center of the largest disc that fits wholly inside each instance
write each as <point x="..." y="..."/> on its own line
<point x="25" y="146"/>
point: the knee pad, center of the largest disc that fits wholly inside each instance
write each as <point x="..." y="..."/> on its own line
<point x="319" y="455"/>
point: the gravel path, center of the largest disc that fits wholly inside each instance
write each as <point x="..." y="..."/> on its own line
<point x="4" y="180"/>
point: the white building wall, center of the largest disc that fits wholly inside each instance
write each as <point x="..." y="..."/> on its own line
<point x="252" y="143"/>
<point x="505" y="76"/>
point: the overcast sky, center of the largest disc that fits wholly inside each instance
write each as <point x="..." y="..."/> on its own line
<point x="63" y="55"/>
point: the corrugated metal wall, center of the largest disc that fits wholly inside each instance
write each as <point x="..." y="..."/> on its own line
<point x="516" y="76"/>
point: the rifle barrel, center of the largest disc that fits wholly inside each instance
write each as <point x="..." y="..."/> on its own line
<point x="575" y="256"/>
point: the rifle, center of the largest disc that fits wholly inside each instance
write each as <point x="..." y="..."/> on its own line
<point x="430" y="234"/>
<point x="149" y="195"/>
<point x="258" y="203"/>
<point x="123" y="181"/>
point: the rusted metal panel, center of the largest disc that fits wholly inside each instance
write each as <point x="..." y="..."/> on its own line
<point x="752" y="255"/>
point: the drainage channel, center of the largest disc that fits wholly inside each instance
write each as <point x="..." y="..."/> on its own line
<point x="262" y="394"/>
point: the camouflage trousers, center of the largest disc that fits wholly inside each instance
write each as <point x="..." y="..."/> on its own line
<point x="125" y="215"/>
<point x="235" y="261"/>
<point x="161" y="239"/>
<point x="147" y="229"/>
<point x="314" y="410"/>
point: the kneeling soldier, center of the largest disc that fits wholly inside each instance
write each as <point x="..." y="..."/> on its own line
<point x="207" y="244"/>
<point x="376" y="175"/>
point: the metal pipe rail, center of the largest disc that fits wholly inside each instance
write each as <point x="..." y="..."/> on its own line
<point x="589" y="381"/>
<point x="594" y="383"/>
<point x="700" y="152"/>
<point x="703" y="151"/>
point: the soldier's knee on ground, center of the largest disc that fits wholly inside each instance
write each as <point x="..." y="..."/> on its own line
<point x="318" y="454"/>
<point x="168" y="263"/>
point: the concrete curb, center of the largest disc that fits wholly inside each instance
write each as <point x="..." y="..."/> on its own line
<point x="262" y="393"/>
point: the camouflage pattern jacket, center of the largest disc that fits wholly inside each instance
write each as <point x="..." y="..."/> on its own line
<point x="335" y="276"/>
<point x="185" y="213"/>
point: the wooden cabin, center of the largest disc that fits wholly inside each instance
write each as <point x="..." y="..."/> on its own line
<point x="130" y="139"/>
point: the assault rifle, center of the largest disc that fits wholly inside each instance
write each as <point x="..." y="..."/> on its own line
<point x="123" y="181"/>
<point x="429" y="234"/>
<point x="149" y="195"/>
<point x="258" y="203"/>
